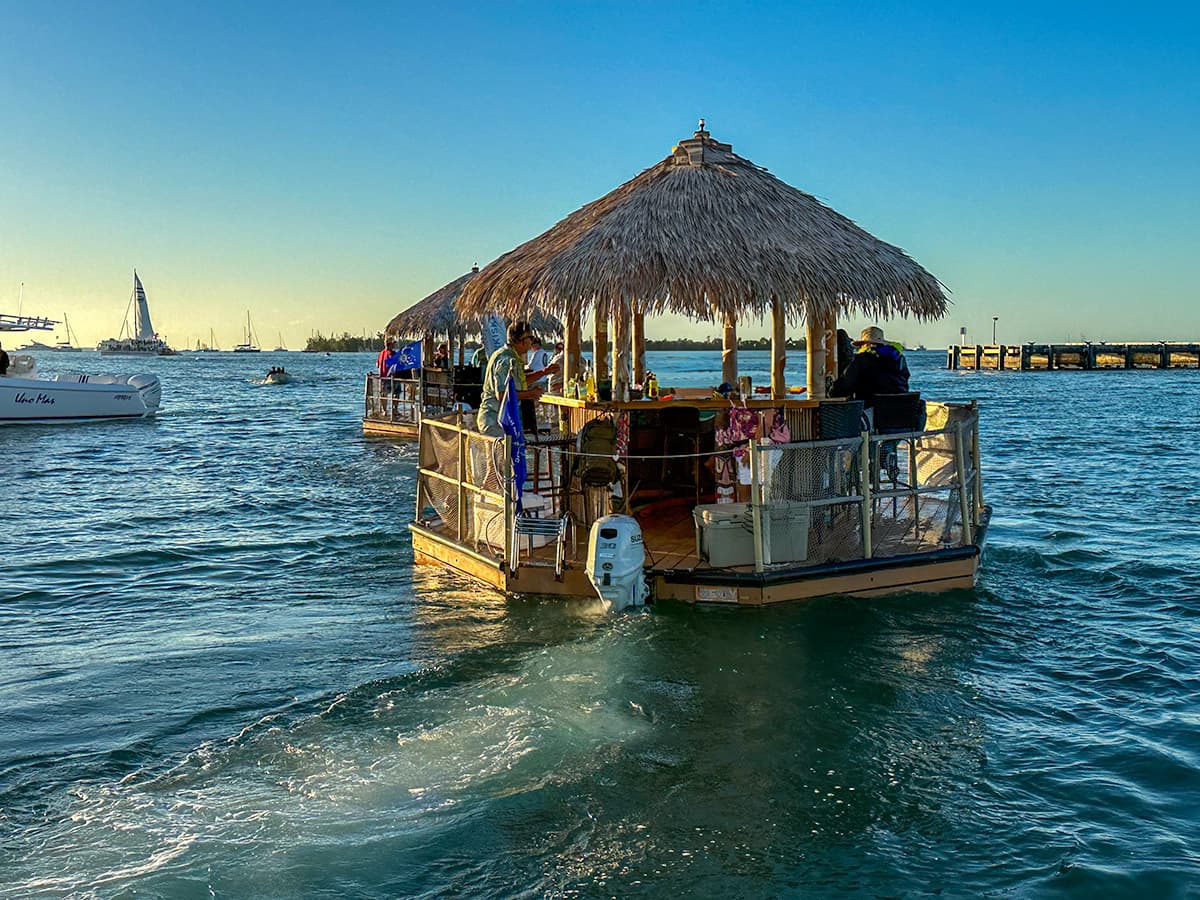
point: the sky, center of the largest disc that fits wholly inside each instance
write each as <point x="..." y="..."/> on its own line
<point x="323" y="166"/>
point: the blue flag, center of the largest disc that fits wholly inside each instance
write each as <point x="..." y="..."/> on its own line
<point x="407" y="357"/>
<point x="510" y="421"/>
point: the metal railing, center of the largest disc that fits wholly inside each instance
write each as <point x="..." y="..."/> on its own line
<point x="407" y="400"/>
<point x="876" y="495"/>
<point x="864" y="497"/>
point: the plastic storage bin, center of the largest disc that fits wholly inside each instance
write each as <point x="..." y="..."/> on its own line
<point x="785" y="532"/>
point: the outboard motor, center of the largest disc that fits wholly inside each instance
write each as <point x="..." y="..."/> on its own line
<point x="615" y="560"/>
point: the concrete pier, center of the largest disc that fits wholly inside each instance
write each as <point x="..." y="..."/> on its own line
<point x="1086" y="356"/>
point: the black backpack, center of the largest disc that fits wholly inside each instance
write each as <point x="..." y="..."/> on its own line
<point x="595" y="466"/>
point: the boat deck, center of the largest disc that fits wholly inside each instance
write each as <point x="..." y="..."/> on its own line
<point x="669" y="534"/>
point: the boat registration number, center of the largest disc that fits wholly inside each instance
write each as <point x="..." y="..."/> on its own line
<point x="705" y="594"/>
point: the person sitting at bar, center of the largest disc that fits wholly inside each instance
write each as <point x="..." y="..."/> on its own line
<point x="441" y="357"/>
<point x="878" y="367"/>
<point x="508" y="360"/>
<point x="539" y="359"/>
<point x="559" y="357"/>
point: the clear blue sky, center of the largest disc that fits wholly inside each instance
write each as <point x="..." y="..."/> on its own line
<point x="327" y="165"/>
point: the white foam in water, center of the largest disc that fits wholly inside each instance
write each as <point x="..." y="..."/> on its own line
<point x="370" y="766"/>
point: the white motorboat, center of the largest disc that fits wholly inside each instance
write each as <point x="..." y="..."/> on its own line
<point x="77" y="398"/>
<point x="277" y="376"/>
<point x="142" y="341"/>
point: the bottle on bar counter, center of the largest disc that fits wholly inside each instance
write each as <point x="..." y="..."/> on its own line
<point x="651" y="386"/>
<point x="591" y="386"/>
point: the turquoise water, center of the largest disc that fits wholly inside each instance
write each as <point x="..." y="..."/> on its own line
<point x="221" y="676"/>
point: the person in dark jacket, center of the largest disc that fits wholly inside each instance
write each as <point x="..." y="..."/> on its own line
<point x="845" y="352"/>
<point x="878" y="367"/>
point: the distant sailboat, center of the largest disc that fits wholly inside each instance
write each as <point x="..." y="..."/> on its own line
<point x="280" y="348"/>
<point x="140" y="340"/>
<point x="251" y="343"/>
<point x="67" y="346"/>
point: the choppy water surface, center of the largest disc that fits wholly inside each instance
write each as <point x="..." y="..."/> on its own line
<point x="220" y="675"/>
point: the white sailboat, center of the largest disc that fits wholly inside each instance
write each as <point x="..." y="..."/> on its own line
<point x="280" y="348"/>
<point x="250" y="345"/>
<point x="139" y="341"/>
<point x="67" y="345"/>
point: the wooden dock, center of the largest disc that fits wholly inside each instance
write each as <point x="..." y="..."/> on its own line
<point x="1084" y="356"/>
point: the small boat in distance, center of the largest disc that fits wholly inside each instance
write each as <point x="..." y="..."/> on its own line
<point x="280" y="348"/>
<point x="278" y="375"/>
<point x="250" y="345"/>
<point x="67" y="345"/>
<point x="140" y="340"/>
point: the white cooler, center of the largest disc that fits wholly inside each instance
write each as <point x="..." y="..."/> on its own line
<point x="725" y="533"/>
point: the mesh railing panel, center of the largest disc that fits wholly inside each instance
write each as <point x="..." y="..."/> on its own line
<point x="824" y="475"/>
<point x="440" y="500"/>
<point x="916" y="501"/>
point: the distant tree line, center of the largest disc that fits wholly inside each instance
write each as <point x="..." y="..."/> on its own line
<point x="359" y="343"/>
<point x="344" y="343"/>
<point x="710" y="343"/>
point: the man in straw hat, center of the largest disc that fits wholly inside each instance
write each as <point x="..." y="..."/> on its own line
<point x="878" y="367"/>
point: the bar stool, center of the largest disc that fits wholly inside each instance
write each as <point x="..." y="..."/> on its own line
<point x="682" y="430"/>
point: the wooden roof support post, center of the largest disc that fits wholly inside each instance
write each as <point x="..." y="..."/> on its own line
<point x="571" y="348"/>
<point x="600" y="346"/>
<point x="729" y="347"/>
<point x="639" y="345"/>
<point x="814" y="335"/>
<point x="778" y="350"/>
<point x="621" y="353"/>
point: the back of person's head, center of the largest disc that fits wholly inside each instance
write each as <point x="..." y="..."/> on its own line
<point x="518" y="330"/>
<point x="537" y="341"/>
<point x="390" y="342"/>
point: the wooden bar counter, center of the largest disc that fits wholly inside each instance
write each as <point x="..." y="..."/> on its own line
<point x="799" y="412"/>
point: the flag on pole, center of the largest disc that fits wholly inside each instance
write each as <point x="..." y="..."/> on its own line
<point x="407" y="357"/>
<point x="510" y="421"/>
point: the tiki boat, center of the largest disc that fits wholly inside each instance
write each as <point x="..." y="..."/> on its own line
<point x="395" y="406"/>
<point x="700" y="496"/>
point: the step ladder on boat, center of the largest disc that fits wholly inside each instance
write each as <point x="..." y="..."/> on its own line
<point x="556" y="529"/>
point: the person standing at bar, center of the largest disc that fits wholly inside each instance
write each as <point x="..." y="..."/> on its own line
<point x="508" y="360"/>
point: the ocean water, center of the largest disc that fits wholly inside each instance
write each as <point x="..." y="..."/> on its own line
<point x="221" y="676"/>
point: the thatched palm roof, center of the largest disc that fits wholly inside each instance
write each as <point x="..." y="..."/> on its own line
<point x="436" y="314"/>
<point x="702" y="233"/>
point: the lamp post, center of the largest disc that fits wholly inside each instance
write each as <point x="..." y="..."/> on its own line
<point x="994" y="318"/>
